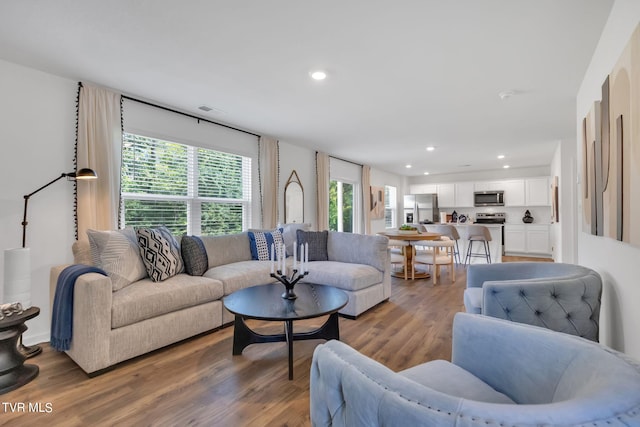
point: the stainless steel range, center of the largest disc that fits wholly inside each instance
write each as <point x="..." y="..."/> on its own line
<point x="490" y="218"/>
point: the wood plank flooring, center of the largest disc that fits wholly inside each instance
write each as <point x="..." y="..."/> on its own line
<point x="199" y="383"/>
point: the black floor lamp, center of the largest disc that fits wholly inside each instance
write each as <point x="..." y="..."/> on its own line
<point x="17" y="276"/>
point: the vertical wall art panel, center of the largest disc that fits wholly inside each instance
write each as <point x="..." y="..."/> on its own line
<point x="616" y="214"/>
<point x="591" y="141"/>
<point x="631" y="162"/>
<point x="596" y="209"/>
<point x="619" y="174"/>
<point x="586" y="194"/>
<point x="603" y="162"/>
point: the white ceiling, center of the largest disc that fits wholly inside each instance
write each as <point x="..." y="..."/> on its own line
<point x="402" y="74"/>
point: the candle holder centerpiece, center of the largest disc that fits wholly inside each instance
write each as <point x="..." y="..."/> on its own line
<point x="289" y="282"/>
<point x="299" y="270"/>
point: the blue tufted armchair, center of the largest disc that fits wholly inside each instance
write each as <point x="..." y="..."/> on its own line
<point x="561" y="297"/>
<point x="501" y="374"/>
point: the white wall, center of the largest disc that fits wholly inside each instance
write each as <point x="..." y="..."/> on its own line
<point x="381" y="178"/>
<point x="563" y="233"/>
<point x="303" y="161"/>
<point x="37" y="134"/>
<point x="617" y="262"/>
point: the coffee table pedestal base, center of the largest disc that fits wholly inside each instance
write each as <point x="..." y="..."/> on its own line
<point x="243" y="336"/>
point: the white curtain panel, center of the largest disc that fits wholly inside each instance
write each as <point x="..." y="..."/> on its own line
<point x="366" y="197"/>
<point x="322" y="176"/>
<point x="99" y="148"/>
<point x="269" y="172"/>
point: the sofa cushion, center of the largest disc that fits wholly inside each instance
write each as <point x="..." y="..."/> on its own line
<point x="194" y="255"/>
<point x="160" y="253"/>
<point x="453" y="380"/>
<point x="146" y="299"/>
<point x="116" y="252"/>
<point x="290" y="234"/>
<point x="317" y="241"/>
<point x="261" y="243"/>
<point x="226" y="249"/>
<point x="240" y="275"/>
<point x="350" y="277"/>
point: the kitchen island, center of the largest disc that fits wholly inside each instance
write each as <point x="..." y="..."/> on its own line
<point x="495" y="245"/>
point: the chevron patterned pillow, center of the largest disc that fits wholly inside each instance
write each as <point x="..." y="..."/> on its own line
<point x="160" y="253"/>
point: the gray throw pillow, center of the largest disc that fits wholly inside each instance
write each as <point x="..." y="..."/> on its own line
<point x="116" y="252"/>
<point x="317" y="241"/>
<point x="160" y="253"/>
<point x="194" y="255"/>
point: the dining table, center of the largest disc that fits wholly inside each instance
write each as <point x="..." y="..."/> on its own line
<point x="410" y="238"/>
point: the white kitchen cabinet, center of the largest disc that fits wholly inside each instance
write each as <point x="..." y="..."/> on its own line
<point x="447" y="196"/>
<point x="531" y="239"/>
<point x="488" y="185"/>
<point x="464" y="194"/>
<point x="514" y="192"/>
<point x="514" y="238"/>
<point x="423" y="189"/>
<point x="537" y="239"/>
<point x="538" y="191"/>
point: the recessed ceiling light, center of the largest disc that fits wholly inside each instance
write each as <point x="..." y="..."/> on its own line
<point x="431" y="148"/>
<point x="426" y="173"/>
<point x="318" y="75"/>
<point x="506" y="94"/>
<point x="408" y="166"/>
<point x="501" y="156"/>
<point x="506" y="166"/>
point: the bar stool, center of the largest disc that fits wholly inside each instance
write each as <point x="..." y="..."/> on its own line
<point x="449" y="231"/>
<point x="481" y="234"/>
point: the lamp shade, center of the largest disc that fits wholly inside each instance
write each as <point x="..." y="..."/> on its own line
<point x="17" y="276"/>
<point x="84" y="173"/>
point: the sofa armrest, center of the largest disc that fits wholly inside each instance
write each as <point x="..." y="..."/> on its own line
<point x="92" y="300"/>
<point x="358" y="249"/>
<point x="349" y="389"/>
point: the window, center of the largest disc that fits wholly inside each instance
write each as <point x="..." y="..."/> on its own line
<point x="190" y="190"/>
<point x="340" y="206"/>
<point x="390" y="206"/>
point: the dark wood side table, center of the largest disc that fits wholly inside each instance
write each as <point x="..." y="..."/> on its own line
<point x="265" y="302"/>
<point x="13" y="372"/>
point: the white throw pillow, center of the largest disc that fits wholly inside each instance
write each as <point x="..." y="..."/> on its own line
<point x="117" y="253"/>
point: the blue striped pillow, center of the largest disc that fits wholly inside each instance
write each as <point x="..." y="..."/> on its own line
<point x="261" y="241"/>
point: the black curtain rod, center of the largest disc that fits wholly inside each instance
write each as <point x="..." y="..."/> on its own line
<point x="348" y="161"/>
<point x="187" y="115"/>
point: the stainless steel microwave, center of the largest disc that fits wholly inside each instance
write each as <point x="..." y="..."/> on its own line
<point x="488" y="198"/>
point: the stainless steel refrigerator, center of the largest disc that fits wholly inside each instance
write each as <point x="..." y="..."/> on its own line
<point x="421" y="208"/>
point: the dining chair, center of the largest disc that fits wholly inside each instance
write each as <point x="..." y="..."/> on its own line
<point x="442" y="253"/>
<point x="451" y="232"/>
<point x="398" y="253"/>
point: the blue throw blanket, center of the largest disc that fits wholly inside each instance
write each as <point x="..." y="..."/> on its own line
<point x="62" y="316"/>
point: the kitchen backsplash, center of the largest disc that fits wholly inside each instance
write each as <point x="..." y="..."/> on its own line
<point x="540" y="214"/>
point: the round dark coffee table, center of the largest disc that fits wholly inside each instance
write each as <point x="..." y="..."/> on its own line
<point x="265" y="302"/>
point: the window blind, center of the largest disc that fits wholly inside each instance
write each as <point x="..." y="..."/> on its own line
<point x="188" y="189"/>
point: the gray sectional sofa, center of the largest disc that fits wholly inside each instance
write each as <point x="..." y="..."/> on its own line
<point x="110" y="326"/>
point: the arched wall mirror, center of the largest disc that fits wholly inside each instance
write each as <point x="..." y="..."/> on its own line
<point x="293" y="199"/>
